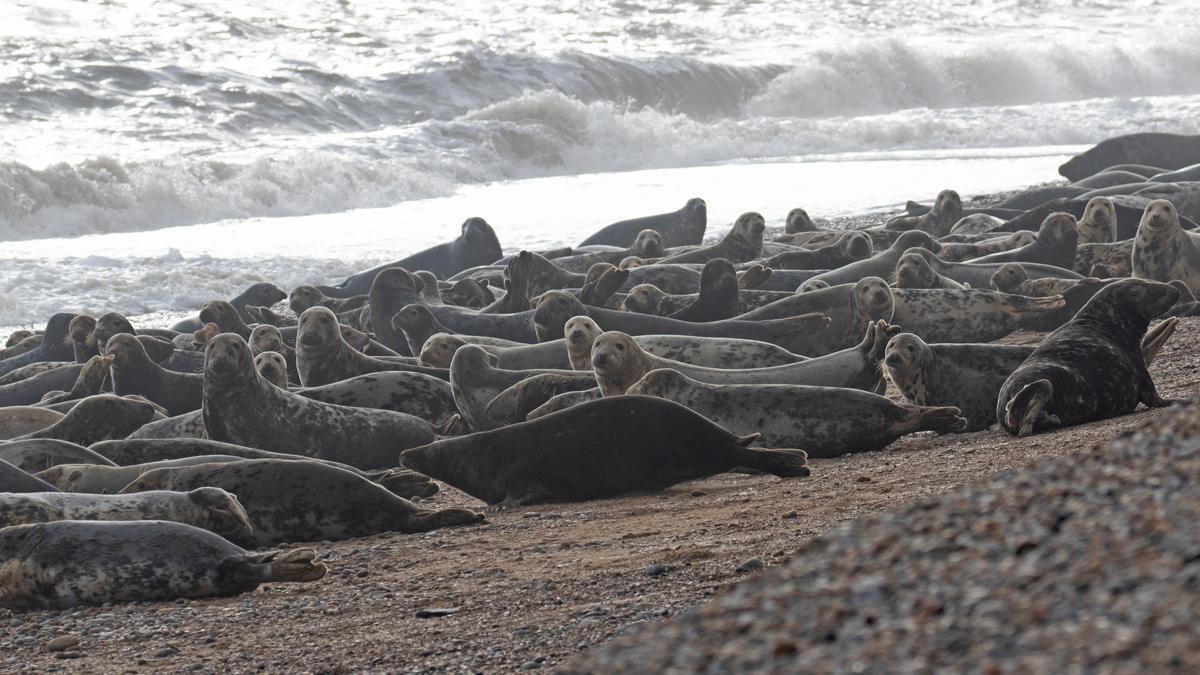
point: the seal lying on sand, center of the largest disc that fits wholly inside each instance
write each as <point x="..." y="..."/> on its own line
<point x="210" y="508"/>
<point x="241" y="408"/>
<point x="826" y="421"/>
<point x="1060" y="384"/>
<point x="305" y="501"/>
<point x="72" y="562"/>
<point x="597" y="449"/>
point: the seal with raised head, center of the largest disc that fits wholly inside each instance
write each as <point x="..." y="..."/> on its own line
<point x="647" y="244"/>
<point x="99" y="418"/>
<point x="241" y="408"/>
<point x="827" y="422"/>
<point x="647" y="444"/>
<point x="1162" y="251"/>
<point x="225" y="316"/>
<point x="266" y="338"/>
<point x="74" y="562"/>
<point x="883" y="263"/>
<point x="261" y="294"/>
<point x="209" y="508"/>
<point x="323" y="357"/>
<point x="304" y="296"/>
<point x="947" y="210"/>
<point x="475" y="380"/>
<point x="134" y="373"/>
<point x="742" y="243"/>
<point x="305" y="501"/>
<point x="684" y="227"/>
<point x="848" y="248"/>
<point x="718" y="297"/>
<point x="272" y="368"/>
<point x="914" y="271"/>
<point x="1099" y="222"/>
<point x="1060" y="384"/>
<point x="476" y="245"/>
<point x="1055" y="245"/>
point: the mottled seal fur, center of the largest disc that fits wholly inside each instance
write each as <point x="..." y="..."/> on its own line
<point x="1162" y="251"/>
<point x="914" y="271"/>
<point x="1099" y="222"/>
<point x="71" y="562"/>
<point x="597" y="449"/>
<point x="290" y="501"/>
<point x="825" y="421"/>
<point x="475" y="381"/>
<point x="39" y="454"/>
<point x="89" y="382"/>
<point x="239" y="407"/>
<point x="13" y="479"/>
<point x="972" y="315"/>
<point x="883" y="263"/>
<point x="416" y="394"/>
<point x="98" y="418"/>
<point x="1060" y="384"/>
<point x="23" y="419"/>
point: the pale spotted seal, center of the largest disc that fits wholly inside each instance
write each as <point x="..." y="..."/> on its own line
<point x="999" y="244"/>
<point x="825" y="421"/>
<point x="74" y="562"/>
<point x="1060" y="384"/>
<point x="240" y="407"/>
<point x="647" y="444"/>
<point x="1162" y="251"/>
<point x="972" y="315"/>
<point x="914" y="271"/>
<point x="272" y="368"/>
<point x="1099" y="222"/>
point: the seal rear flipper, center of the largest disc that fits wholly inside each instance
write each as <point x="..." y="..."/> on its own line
<point x="520" y="496"/>
<point x="297" y="565"/>
<point x="754" y="276"/>
<point x="1027" y="409"/>
<point x="598" y="292"/>
<point x="424" y="520"/>
<point x="1157" y="337"/>
<point x="407" y="484"/>
<point x="942" y="419"/>
<point x="784" y="463"/>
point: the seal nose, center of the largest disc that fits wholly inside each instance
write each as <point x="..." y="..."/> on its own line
<point x="894" y="360"/>
<point x="600" y="359"/>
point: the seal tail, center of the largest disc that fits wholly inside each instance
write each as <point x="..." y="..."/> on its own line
<point x="1028" y="407"/>
<point x="785" y="463"/>
<point x="298" y="565"/>
<point x="942" y="419"/>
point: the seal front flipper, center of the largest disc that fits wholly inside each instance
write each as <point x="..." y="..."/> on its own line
<point x="424" y="520"/>
<point x="520" y="495"/>
<point x="784" y="463"/>
<point x="942" y="419"/>
<point x="1027" y="410"/>
<point x="405" y="483"/>
<point x="297" y="565"/>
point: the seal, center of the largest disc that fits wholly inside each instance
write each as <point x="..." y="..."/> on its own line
<point x="1170" y="151"/>
<point x="268" y="339"/>
<point x="266" y="315"/>
<point x="417" y="394"/>
<point x="261" y="294"/>
<point x="304" y="296"/>
<point x="850" y="247"/>
<point x="103" y="479"/>
<point x="209" y="508"/>
<point x="71" y="562"/>
<point x="678" y="228"/>
<point x="947" y="210"/>
<point x="828" y="422"/>
<point x="323" y="357"/>
<point x="225" y="316"/>
<point x="16" y="337"/>
<point x="883" y="263"/>
<point x="972" y="315"/>
<point x="1099" y="222"/>
<point x="39" y="454"/>
<point x="475" y="380"/>
<point x="1011" y="278"/>
<point x="472" y="293"/>
<point x="272" y="368"/>
<point x="476" y="245"/>
<point x="718" y="297"/>
<point x="439" y="351"/>
<point x="187" y="425"/>
<point x="15" y="480"/>
<point x="26" y="372"/>
<point x="798" y="221"/>
<point x="1109" y="178"/>
<point x="98" y="418"/>
<point x="647" y="244"/>
<point x="1162" y="251"/>
<point x="914" y="271"/>
<point x="742" y="243"/>
<point x="513" y="404"/>
<point x="647" y="444"/>
<point x="850" y="307"/>
<point x="996" y="244"/>
<point x="979" y="275"/>
<point x="975" y="223"/>
<point x="649" y="299"/>
<point x="241" y="408"/>
<point x="1060" y="385"/>
<point x="134" y="373"/>
<point x="1105" y="260"/>
<point x="618" y="362"/>
<point x="31" y="390"/>
<point x="26" y="344"/>
<point x="418" y="324"/>
<point x="89" y="382"/>
<point x="305" y="501"/>
<point x="563" y="401"/>
<point x="55" y="346"/>
<point x="22" y="419"/>
<point x="1055" y="245"/>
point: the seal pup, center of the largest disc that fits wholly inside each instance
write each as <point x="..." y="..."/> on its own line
<point x="1060" y="383"/>
<point x="261" y="294"/>
<point x="241" y="408"/>
<point x="1099" y="222"/>
<point x="476" y="245"/>
<point x="1055" y="245"/>
<point x="304" y="296"/>
<point x="266" y="338"/>
<point x="15" y="480"/>
<point x="323" y="357"/>
<point x="55" y="346"/>
<point x="290" y="501"/>
<point x="39" y="454"/>
<point x="914" y="271"/>
<point x="272" y="368"/>
<point x="648" y="444"/>
<point x="23" y="419"/>
<point x="947" y="210"/>
<point x="72" y="562"/>
<point x="883" y="263"/>
<point x="98" y="418"/>
<point x="1162" y="251"/>
<point x="134" y="373"/>
<point x="89" y="382"/>
<point x="475" y="380"/>
<point x="826" y="421"/>
<point x="742" y="243"/>
<point x="208" y="508"/>
<point x="684" y="227"/>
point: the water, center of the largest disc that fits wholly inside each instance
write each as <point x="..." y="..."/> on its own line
<point x="234" y="139"/>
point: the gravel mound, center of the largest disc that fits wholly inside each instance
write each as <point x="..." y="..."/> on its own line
<point x="1084" y="564"/>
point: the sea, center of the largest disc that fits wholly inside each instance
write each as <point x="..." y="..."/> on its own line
<point x="155" y="154"/>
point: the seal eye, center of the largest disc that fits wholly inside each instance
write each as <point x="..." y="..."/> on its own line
<point x="620" y="348"/>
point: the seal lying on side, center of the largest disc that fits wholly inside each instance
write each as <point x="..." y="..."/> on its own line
<point x="305" y="501"/>
<point x="594" y="450"/>
<point x="883" y="263"/>
<point x="1055" y="245"/>
<point x="1162" y="251"/>
<point x="827" y="422"/>
<point x="39" y="454"/>
<point x="850" y="247"/>
<point x="1060" y="383"/>
<point x="416" y="394"/>
<point x="914" y="271"/>
<point x="209" y="508"/>
<point x="972" y="315"/>
<point x="73" y="562"/>
<point x="678" y="228"/>
<point x="99" y="418"/>
<point x="240" y="408"/>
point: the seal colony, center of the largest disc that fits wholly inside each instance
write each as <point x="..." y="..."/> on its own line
<point x="658" y="351"/>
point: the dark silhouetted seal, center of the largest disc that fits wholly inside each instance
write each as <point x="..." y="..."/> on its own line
<point x="134" y="373"/>
<point x="646" y="444"/>
<point x="742" y="243"/>
<point x="947" y="210"/>
<point x="850" y="247"/>
<point x="241" y="408"/>
<point x="289" y="501"/>
<point x="826" y="421"/>
<point x="74" y="562"/>
<point x="1169" y="151"/>
<point x="718" y="297"/>
<point x="1091" y="368"/>
<point x="1055" y="245"/>
<point x="261" y="294"/>
<point x="55" y="346"/>
<point x="30" y="391"/>
<point x="678" y="228"/>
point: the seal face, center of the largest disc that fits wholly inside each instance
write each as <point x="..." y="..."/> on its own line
<point x="67" y="563"/>
<point x="1099" y="222"/>
<point x="1060" y="385"/>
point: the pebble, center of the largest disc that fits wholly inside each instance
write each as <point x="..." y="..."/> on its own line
<point x="656" y="570"/>
<point x="63" y="643"/>
<point x="750" y="565"/>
